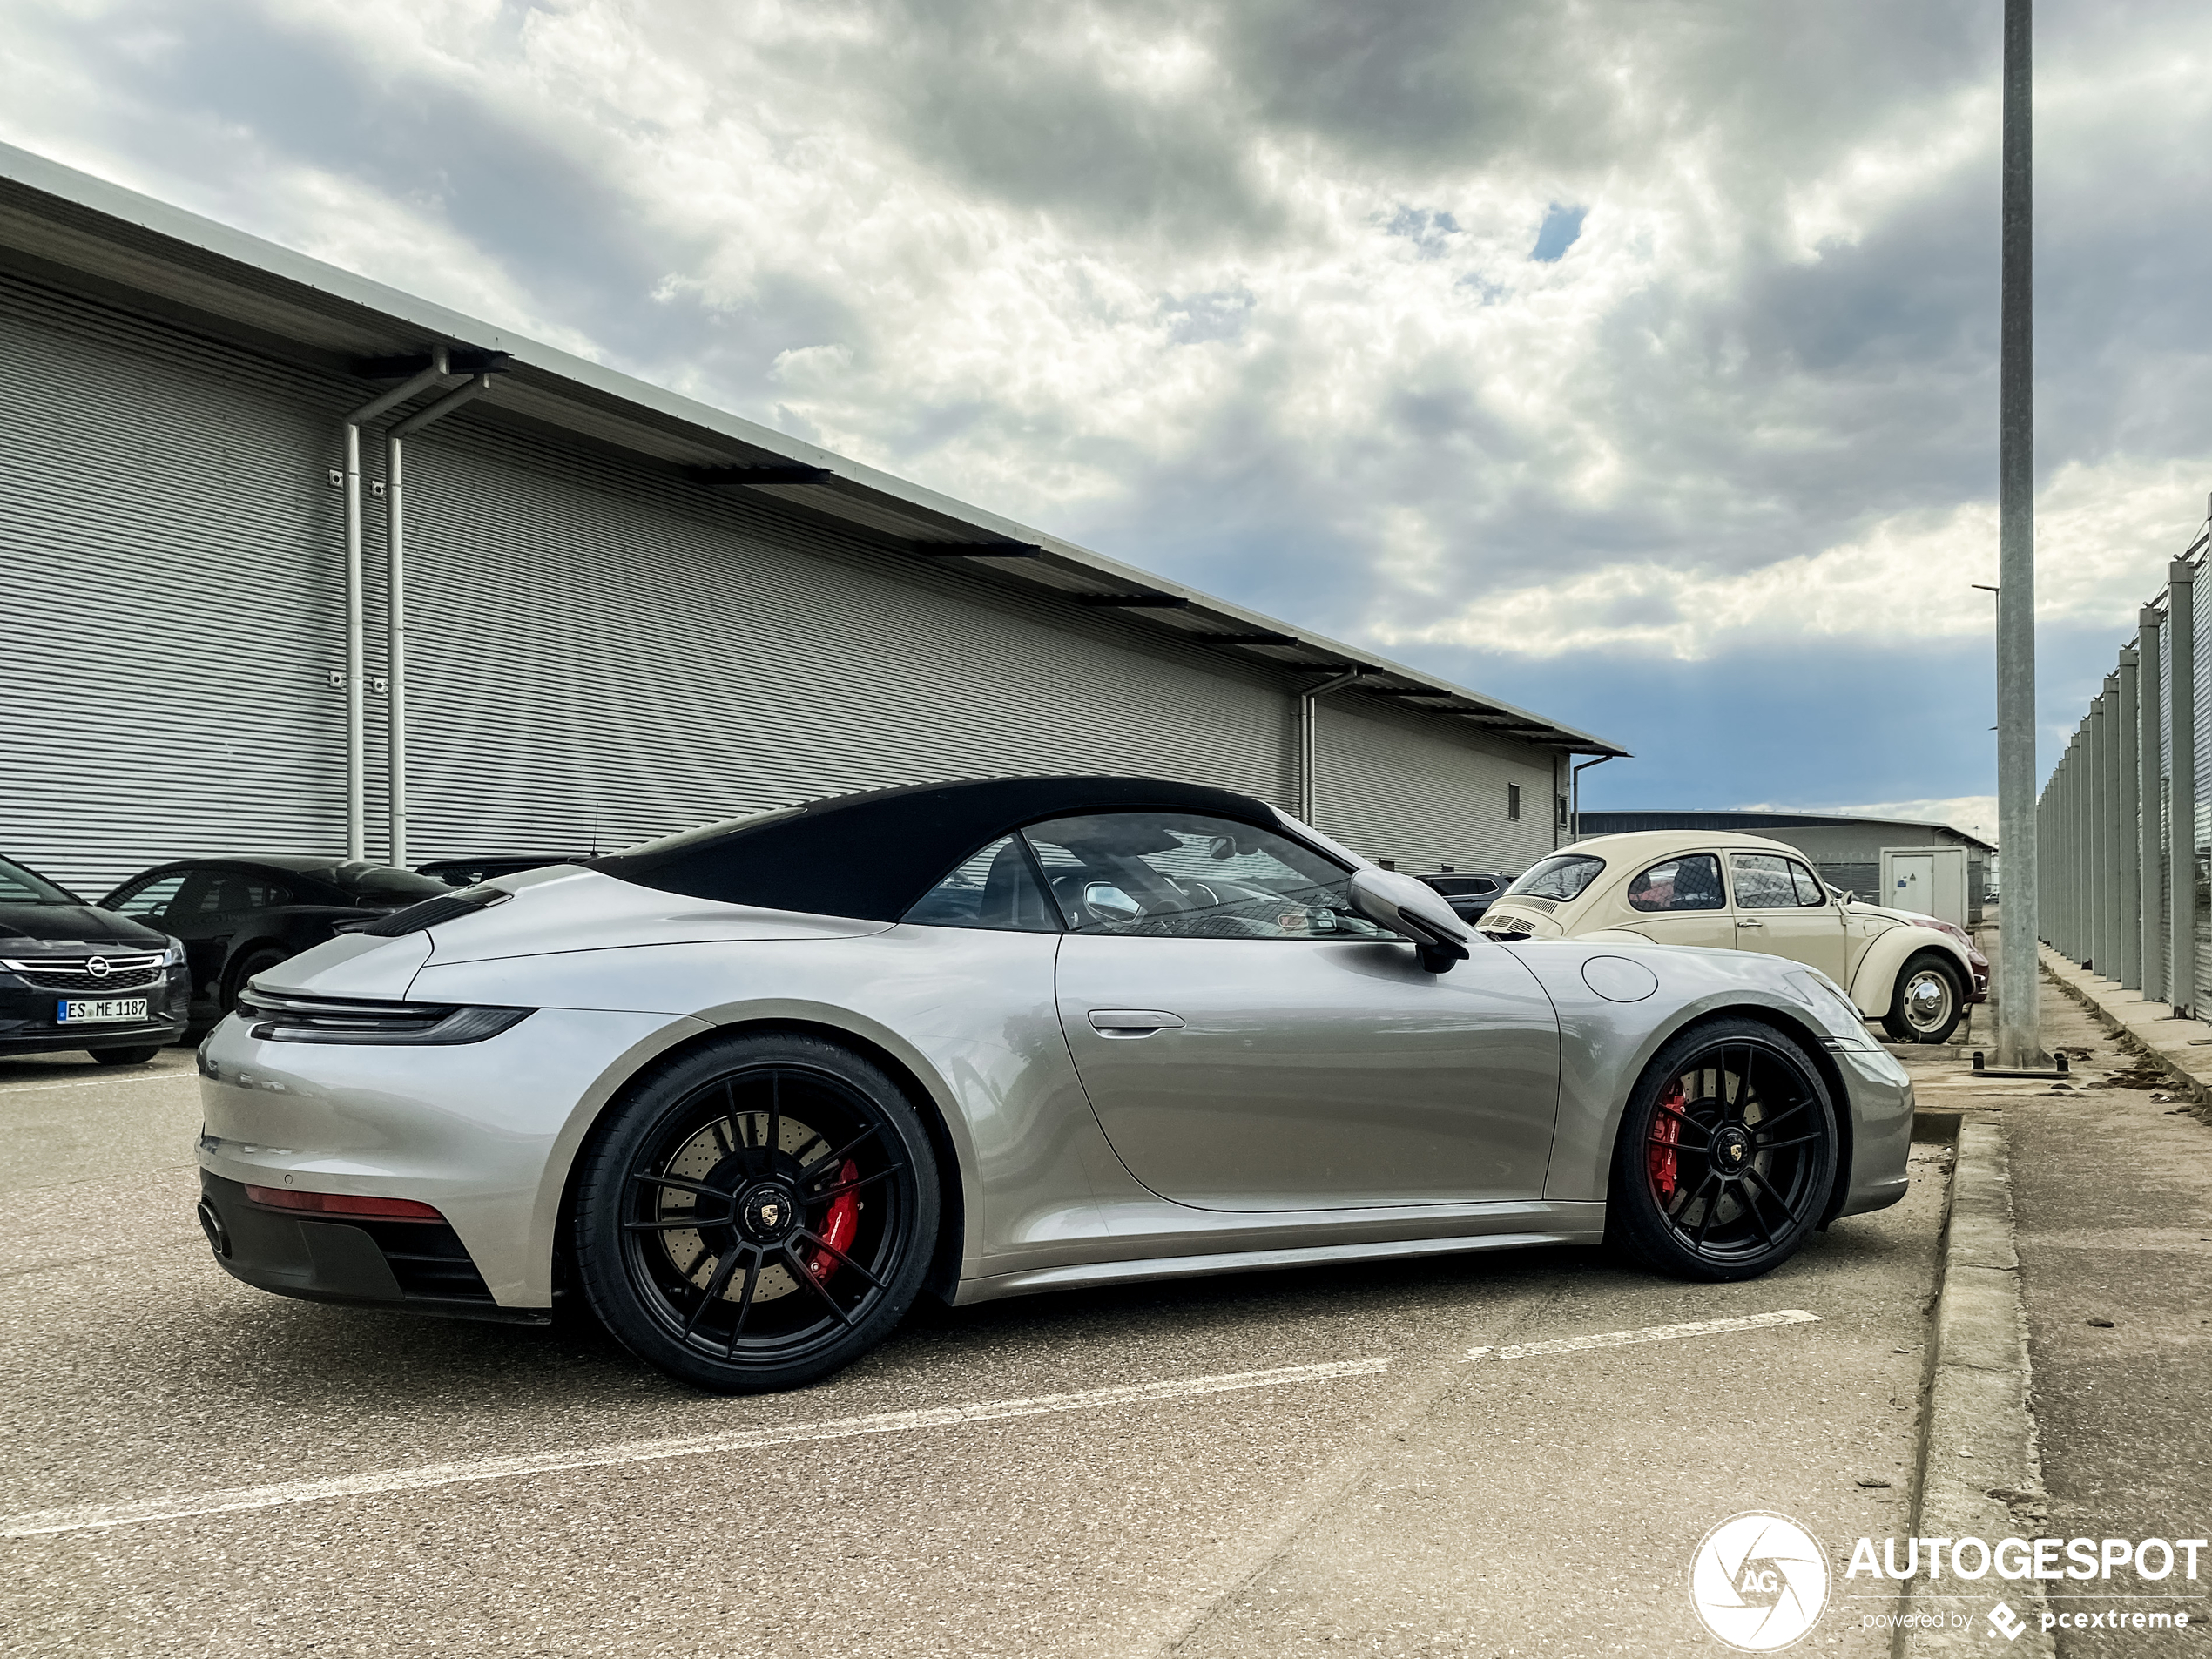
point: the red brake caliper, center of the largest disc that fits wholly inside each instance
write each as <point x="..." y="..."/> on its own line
<point x="1667" y="1130"/>
<point x="840" y="1225"/>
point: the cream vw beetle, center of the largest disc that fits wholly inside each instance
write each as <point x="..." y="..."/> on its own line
<point x="1669" y="887"/>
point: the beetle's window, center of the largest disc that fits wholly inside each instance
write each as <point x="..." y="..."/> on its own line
<point x="1179" y="876"/>
<point x="1811" y="891"/>
<point x="996" y="888"/>
<point x="1763" y="881"/>
<point x="1690" y="882"/>
<point x="1561" y="877"/>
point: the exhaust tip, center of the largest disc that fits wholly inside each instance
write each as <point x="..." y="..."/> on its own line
<point x="219" y="1238"/>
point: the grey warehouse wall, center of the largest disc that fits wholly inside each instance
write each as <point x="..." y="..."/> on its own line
<point x="601" y="650"/>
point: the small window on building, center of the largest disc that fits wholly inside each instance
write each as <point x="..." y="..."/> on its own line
<point x="1513" y="800"/>
<point x="1560" y="809"/>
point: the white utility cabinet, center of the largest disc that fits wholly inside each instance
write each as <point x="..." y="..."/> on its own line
<point x="1931" y="880"/>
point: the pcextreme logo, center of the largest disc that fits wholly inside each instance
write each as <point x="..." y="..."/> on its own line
<point x="1759" y="1582"/>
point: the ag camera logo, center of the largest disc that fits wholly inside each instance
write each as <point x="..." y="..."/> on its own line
<point x="1759" y="1582"/>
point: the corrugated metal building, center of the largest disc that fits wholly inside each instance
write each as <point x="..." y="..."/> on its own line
<point x="1846" y="850"/>
<point x="626" y="612"/>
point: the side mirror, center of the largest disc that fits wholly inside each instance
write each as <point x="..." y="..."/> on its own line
<point x="1415" y="909"/>
<point x="1111" y="904"/>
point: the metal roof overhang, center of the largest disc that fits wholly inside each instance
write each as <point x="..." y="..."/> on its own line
<point x="59" y="224"/>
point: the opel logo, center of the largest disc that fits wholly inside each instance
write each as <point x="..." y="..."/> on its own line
<point x="97" y="966"/>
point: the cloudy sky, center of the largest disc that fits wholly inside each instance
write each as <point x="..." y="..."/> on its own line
<point x="1635" y="362"/>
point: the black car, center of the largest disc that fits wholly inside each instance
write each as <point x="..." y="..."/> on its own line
<point x="468" y="873"/>
<point x="76" y="975"/>
<point x="241" y="914"/>
<point x="1468" y="891"/>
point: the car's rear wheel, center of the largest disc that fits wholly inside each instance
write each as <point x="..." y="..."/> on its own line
<point x="234" y="982"/>
<point x="1927" y="1004"/>
<point x="1726" y="1156"/>
<point x="125" y="1057"/>
<point x="759" y="1215"/>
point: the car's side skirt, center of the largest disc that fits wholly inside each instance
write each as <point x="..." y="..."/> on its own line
<point x="1589" y="1228"/>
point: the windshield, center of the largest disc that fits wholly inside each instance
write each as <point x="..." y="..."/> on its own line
<point x="19" y="886"/>
<point x="1561" y="877"/>
<point x="385" y="881"/>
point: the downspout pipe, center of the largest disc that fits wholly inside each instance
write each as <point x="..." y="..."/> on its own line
<point x="356" y="721"/>
<point x="395" y="601"/>
<point x="1305" y="723"/>
<point x="1574" y="797"/>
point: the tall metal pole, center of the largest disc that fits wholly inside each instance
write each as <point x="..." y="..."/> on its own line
<point x="2127" y="828"/>
<point x="2110" y="840"/>
<point x="2097" y="852"/>
<point x="2151" y="685"/>
<point x="2181" y="788"/>
<point x="2019" y="1025"/>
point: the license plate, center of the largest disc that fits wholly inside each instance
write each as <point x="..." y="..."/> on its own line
<point x="96" y="1010"/>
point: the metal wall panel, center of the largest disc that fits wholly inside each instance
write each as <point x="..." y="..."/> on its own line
<point x="600" y="655"/>
<point x="602" y="651"/>
<point x="172" y="602"/>
<point x="1416" y="790"/>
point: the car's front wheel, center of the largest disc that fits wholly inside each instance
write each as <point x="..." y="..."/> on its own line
<point x="1927" y="1004"/>
<point x="1726" y="1156"/>
<point x="757" y="1215"/>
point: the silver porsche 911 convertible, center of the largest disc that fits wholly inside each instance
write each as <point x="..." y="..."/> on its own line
<point x="748" y="1090"/>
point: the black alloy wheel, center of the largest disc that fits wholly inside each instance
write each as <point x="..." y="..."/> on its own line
<point x="1927" y="1004"/>
<point x="759" y="1215"/>
<point x="1726" y="1156"/>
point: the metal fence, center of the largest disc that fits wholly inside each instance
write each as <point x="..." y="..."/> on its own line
<point x="2121" y="814"/>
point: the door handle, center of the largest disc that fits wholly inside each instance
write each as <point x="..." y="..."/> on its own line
<point x="1748" y="921"/>
<point x="1133" y="1022"/>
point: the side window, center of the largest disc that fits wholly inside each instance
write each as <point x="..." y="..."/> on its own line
<point x="1762" y="881"/>
<point x="237" y="892"/>
<point x="995" y="889"/>
<point x="1174" y="875"/>
<point x="1810" y="891"/>
<point x="1690" y="882"/>
<point x="150" y="900"/>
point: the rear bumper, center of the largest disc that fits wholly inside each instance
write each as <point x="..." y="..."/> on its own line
<point x="408" y="1266"/>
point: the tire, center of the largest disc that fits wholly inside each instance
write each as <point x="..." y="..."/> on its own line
<point x="805" y="1269"/>
<point x="259" y="963"/>
<point x="125" y="1056"/>
<point x="1927" y="1004"/>
<point x="1714" y="1181"/>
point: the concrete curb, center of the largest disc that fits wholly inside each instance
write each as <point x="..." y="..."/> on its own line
<point x="2170" y="1043"/>
<point x="1980" y="1473"/>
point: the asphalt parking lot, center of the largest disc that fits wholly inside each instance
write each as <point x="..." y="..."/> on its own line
<point x="1395" y="1496"/>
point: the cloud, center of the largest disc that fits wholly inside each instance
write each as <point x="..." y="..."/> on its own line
<point x="1542" y="332"/>
<point x="1975" y="815"/>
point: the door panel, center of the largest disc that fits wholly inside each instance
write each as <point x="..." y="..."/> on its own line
<point x="1772" y="913"/>
<point x="1305" y="1075"/>
<point x="1679" y="901"/>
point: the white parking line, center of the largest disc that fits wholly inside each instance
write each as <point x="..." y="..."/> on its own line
<point x="501" y="1468"/>
<point x="7" y="1088"/>
<point x="1649" y="1333"/>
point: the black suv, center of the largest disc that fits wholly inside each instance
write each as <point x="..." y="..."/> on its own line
<point x="75" y="975"/>
<point x="240" y="914"/>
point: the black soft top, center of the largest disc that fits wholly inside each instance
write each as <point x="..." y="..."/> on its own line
<point x="873" y="855"/>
